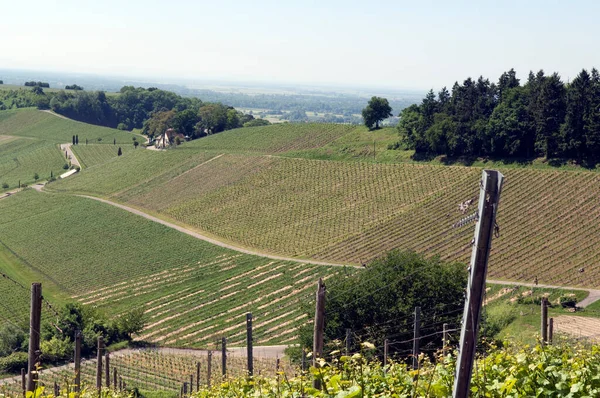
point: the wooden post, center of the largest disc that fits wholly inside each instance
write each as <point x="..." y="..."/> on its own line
<point x="550" y="330"/>
<point x="77" y="360"/>
<point x="197" y="376"/>
<point x="191" y="384"/>
<point x="249" y="344"/>
<point x="107" y="370"/>
<point x="120" y="383"/>
<point x="544" y="325"/>
<point x="416" y="338"/>
<point x="185" y="388"/>
<point x="385" y="353"/>
<point x="99" y="363"/>
<point x="209" y="368"/>
<point x="115" y="377"/>
<point x="445" y="339"/>
<point x="56" y="390"/>
<point x="303" y="363"/>
<point x="489" y="197"/>
<point x="348" y="341"/>
<point x="35" y="318"/>
<point x="24" y="382"/>
<point x="319" y="328"/>
<point x="224" y="356"/>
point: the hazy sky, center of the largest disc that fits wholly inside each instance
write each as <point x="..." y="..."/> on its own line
<point x="396" y="44"/>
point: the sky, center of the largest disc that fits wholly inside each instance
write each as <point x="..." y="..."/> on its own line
<point x="394" y="44"/>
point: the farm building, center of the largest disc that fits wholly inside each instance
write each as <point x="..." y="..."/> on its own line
<point x="167" y="138"/>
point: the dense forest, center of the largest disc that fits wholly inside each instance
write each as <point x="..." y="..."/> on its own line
<point x="545" y="117"/>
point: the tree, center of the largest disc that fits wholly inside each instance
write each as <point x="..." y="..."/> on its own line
<point x="213" y="118"/>
<point x="119" y="152"/>
<point x="257" y="122"/>
<point x="36" y="176"/>
<point x="383" y="297"/>
<point x="73" y="140"/>
<point x="377" y="109"/>
<point x="77" y="139"/>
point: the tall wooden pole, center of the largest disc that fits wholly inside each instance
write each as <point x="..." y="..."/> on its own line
<point x="77" y="360"/>
<point x="99" y="363"/>
<point x="115" y="378"/>
<point x="250" y="352"/>
<point x="197" y="376"/>
<point x="35" y="318"/>
<point x="544" y="325"/>
<point x="319" y="328"/>
<point x="416" y="338"/>
<point x="24" y="382"/>
<point x="385" y="354"/>
<point x="550" y="330"/>
<point x="489" y="197"/>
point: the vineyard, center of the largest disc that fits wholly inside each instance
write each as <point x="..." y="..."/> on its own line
<point x="32" y="123"/>
<point x="22" y="158"/>
<point x="94" y="154"/>
<point x="192" y="292"/>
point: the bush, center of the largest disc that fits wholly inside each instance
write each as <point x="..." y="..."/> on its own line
<point x="66" y="166"/>
<point x="4" y="185"/>
<point x="12" y="339"/>
<point x="122" y="126"/>
<point x="56" y="349"/>
<point x="14" y="362"/>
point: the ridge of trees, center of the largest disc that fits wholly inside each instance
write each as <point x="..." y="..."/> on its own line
<point x="37" y="84"/>
<point x="542" y="118"/>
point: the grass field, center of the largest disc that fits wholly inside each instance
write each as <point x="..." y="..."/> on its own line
<point x="33" y="123"/>
<point x="94" y="154"/>
<point x="192" y="291"/>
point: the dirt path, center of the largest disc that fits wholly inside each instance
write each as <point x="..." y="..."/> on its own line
<point x="70" y="155"/>
<point x="591" y="298"/>
<point x="211" y="240"/>
<point x="578" y="326"/>
<point x="9" y="193"/>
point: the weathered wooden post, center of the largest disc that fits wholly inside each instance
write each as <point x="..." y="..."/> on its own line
<point x="224" y="356"/>
<point x="544" y="325"/>
<point x="319" y="328"/>
<point x="99" y="363"/>
<point x="209" y="368"/>
<point x="550" y="330"/>
<point x="249" y="344"/>
<point x="77" y="360"/>
<point x="416" y="338"/>
<point x="35" y="317"/>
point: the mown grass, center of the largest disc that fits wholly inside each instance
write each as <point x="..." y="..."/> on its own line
<point x="33" y="123"/>
<point x="104" y="256"/>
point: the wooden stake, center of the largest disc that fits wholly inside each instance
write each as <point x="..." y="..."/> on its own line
<point x="107" y="370"/>
<point x="550" y="330"/>
<point x="250" y="352"/>
<point x="445" y="339"/>
<point x="77" y="360"/>
<point x="191" y="384"/>
<point x="35" y="318"/>
<point x="56" y="390"/>
<point x="489" y="197"/>
<point x="115" y="377"/>
<point x="224" y="356"/>
<point x="208" y="369"/>
<point x="24" y="382"/>
<point x="385" y="353"/>
<point x="416" y="338"/>
<point x="544" y="325"/>
<point x="197" y="376"/>
<point x="348" y="336"/>
<point x="319" y="328"/>
<point x="99" y="363"/>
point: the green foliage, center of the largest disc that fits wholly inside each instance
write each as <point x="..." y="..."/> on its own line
<point x="12" y="338"/>
<point x="13" y="363"/>
<point x="376" y="110"/>
<point x="130" y="323"/>
<point x="383" y="297"/>
<point x="56" y="349"/>
<point x="257" y="123"/>
<point x="4" y="185"/>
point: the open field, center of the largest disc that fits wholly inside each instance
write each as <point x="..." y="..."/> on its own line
<point x="32" y="123"/>
<point x="92" y="155"/>
<point x="193" y="292"/>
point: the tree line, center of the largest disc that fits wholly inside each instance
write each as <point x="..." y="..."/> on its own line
<point x="37" y="84"/>
<point x="545" y="117"/>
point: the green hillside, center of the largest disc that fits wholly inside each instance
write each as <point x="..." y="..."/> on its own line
<point x="103" y="256"/>
<point x="33" y="123"/>
<point x="22" y="158"/>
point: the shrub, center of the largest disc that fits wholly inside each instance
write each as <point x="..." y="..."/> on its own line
<point x="122" y="126"/>
<point x="12" y="339"/>
<point x="66" y="166"/>
<point x="56" y="349"/>
<point x="13" y="363"/>
<point x="4" y="185"/>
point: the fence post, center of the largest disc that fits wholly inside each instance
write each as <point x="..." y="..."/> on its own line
<point x="544" y="326"/>
<point x="77" y="360"/>
<point x="550" y="330"/>
<point x="197" y="376"/>
<point x="385" y="353"/>
<point x="445" y="339"/>
<point x="107" y="372"/>
<point x="35" y="317"/>
<point x="99" y="363"/>
<point x="416" y="338"/>
<point x="115" y="377"/>
<point x="209" y="368"/>
<point x="23" y="382"/>
<point x="348" y="337"/>
<point x="489" y="198"/>
<point x="319" y="328"/>
<point x="249" y="344"/>
<point x="224" y="356"/>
